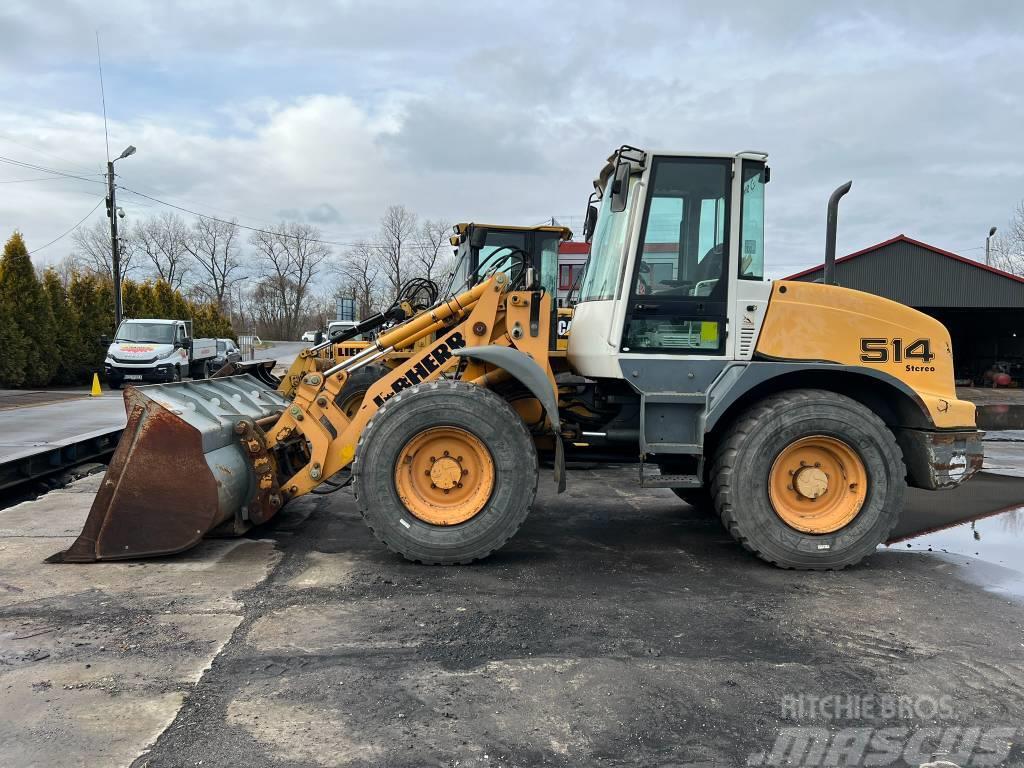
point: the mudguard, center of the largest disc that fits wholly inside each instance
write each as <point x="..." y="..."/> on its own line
<point x="525" y="370"/>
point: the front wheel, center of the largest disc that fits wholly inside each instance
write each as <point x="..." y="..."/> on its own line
<point x="809" y="479"/>
<point x="445" y="473"/>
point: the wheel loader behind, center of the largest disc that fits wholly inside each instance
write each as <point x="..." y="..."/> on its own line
<point x="799" y="412"/>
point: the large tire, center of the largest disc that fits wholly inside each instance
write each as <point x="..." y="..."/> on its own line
<point x="350" y="396"/>
<point x="416" y="413"/>
<point x="748" y="461"/>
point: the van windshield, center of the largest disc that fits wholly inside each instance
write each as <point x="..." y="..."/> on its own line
<point x="151" y="333"/>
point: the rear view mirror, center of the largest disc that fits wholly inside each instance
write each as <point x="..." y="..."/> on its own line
<point x="620" y="187"/>
<point x="590" y="223"/>
<point x="477" y="238"/>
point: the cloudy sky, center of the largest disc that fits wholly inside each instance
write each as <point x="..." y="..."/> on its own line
<point x="328" y="112"/>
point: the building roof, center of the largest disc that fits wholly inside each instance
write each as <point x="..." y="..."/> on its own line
<point x="922" y="275"/>
<point x="573" y="246"/>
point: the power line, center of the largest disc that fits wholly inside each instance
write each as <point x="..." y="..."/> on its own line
<point x="45" y="169"/>
<point x="80" y="223"/>
<point x="30" y="148"/>
<point x="40" y="178"/>
<point x="263" y="231"/>
<point x="103" y="95"/>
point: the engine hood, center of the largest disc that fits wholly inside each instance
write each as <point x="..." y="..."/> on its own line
<point x="142" y="352"/>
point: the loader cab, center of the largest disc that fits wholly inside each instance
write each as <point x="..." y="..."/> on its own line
<point x="483" y="248"/>
<point x="677" y="247"/>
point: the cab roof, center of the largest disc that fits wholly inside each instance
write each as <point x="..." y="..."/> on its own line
<point x="564" y="232"/>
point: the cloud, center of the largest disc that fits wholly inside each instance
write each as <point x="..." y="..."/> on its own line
<point x="505" y="113"/>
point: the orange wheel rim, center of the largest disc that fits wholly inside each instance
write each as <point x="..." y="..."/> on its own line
<point x="817" y="484"/>
<point x="444" y="475"/>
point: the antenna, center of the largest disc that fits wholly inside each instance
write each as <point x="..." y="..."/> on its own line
<point x="103" y="95"/>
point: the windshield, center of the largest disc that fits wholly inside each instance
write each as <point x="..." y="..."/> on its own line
<point x="152" y="333"/>
<point x="600" y="281"/>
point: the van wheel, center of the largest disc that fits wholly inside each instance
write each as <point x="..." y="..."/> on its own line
<point x="445" y="473"/>
<point x="177" y="373"/>
<point x="809" y="479"/>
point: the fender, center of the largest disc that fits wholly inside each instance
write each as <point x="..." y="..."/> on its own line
<point x="525" y="370"/>
<point x="729" y="388"/>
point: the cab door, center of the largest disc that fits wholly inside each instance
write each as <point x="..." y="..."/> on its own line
<point x="678" y="302"/>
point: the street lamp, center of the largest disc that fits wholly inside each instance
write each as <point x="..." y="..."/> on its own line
<point x="988" y="243"/>
<point x="115" y="248"/>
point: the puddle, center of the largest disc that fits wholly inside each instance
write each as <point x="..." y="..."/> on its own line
<point x="990" y="549"/>
<point x="980" y="525"/>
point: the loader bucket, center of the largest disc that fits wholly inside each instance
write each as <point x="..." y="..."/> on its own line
<point x="186" y="465"/>
<point x="261" y="369"/>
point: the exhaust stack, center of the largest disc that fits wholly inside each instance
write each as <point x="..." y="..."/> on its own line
<point x="829" y="276"/>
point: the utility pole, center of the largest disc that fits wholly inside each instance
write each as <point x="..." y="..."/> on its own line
<point x="115" y="245"/>
<point x="115" y="248"/>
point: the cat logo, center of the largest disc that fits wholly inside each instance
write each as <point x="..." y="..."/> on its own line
<point x="422" y="369"/>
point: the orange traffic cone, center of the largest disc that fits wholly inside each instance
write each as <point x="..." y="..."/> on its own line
<point x="96" y="391"/>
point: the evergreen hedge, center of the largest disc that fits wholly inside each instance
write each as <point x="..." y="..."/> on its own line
<point x="50" y="334"/>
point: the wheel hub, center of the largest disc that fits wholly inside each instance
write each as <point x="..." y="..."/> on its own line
<point x="810" y="482"/>
<point x="444" y="475"/>
<point x="817" y="484"/>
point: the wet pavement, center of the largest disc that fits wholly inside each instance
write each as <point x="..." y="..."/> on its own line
<point x="979" y="526"/>
<point x="619" y="627"/>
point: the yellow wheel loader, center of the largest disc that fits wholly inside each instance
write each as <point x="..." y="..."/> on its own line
<point x="800" y="411"/>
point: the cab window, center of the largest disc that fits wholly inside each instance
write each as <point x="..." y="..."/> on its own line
<point x="751" y="260"/>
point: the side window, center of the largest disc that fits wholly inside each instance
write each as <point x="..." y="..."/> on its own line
<point x="564" y="277"/>
<point x="548" y="251"/>
<point x="751" y="266"/>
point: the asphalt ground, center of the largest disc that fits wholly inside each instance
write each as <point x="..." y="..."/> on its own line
<point x="619" y="627"/>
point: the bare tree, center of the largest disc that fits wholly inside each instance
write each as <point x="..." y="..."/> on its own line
<point x="1008" y="245"/>
<point x="213" y="246"/>
<point x="92" y="250"/>
<point x="431" y="257"/>
<point x="289" y="257"/>
<point x="360" y="274"/>
<point x="398" y="227"/>
<point x="163" y="240"/>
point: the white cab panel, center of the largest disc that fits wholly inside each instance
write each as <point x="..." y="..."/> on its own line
<point x="748" y="313"/>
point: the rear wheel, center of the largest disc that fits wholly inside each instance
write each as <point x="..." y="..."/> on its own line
<point x="445" y="473"/>
<point x="809" y="479"/>
<point x="350" y="396"/>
